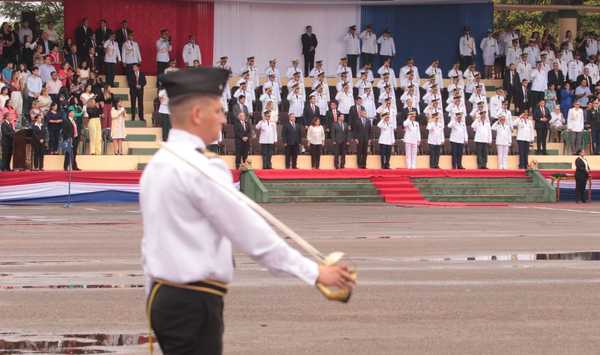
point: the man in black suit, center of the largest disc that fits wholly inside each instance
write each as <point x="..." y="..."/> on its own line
<point x="37" y="141"/>
<point x="243" y="133"/>
<point x="123" y="33"/>
<point x="311" y="110"/>
<point x="8" y="135"/>
<point x="46" y="43"/>
<point x="511" y="82"/>
<point x="238" y="106"/>
<point x="354" y="109"/>
<point x="556" y="77"/>
<point x="70" y="134"/>
<point x="339" y="134"/>
<point x="309" y="45"/>
<point x="331" y="115"/>
<point x="522" y="98"/>
<point x="582" y="174"/>
<point x="97" y="41"/>
<point x="73" y="58"/>
<point x="137" y="81"/>
<point x="82" y="33"/>
<point x="292" y="137"/>
<point x="361" y="130"/>
<point x="586" y="76"/>
<point x="541" y="116"/>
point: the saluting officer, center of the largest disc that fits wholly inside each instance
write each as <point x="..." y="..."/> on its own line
<point x="188" y="234"/>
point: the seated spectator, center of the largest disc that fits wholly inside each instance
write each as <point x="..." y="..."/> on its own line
<point x="44" y="100"/>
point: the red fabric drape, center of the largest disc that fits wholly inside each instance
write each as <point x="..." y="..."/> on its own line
<point x="146" y="18"/>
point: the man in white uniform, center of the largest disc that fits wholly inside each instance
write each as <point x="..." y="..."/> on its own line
<point x="188" y="234"/>
<point x="191" y="52"/>
<point x="352" y="44"/>
<point x="369" y="45"/>
<point x="163" y="47"/>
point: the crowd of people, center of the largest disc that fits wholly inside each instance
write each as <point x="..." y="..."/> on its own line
<point x="548" y="87"/>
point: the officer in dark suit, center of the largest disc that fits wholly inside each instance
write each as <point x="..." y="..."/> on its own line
<point x="541" y="116"/>
<point x="70" y="134"/>
<point x="354" y="109"/>
<point x="243" y="132"/>
<point x="309" y="45"/>
<point x="556" y="77"/>
<point x="521" y="96"/>
<point x="331" y="116"/>
<point x="8" y="135"/>
<point x="511" y="82"/>
<point x="137" y="82"/>
<point x="82" y="34"/>
<point x="123" y="33"/>
<point x="582" y="174"/>
<point x="361" y="130"/>
<point x="340" y="132"/>
<point x="237" y="107"/>
<point x="38" y="142"/>
<point x="292" y="137"/>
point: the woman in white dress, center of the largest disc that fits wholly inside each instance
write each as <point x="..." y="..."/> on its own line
<point x="117" y="128"/>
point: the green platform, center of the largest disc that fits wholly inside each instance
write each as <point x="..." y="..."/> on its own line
<point x="135" y="124"/>
<point x="142" y="151"/>
<point x="555" y="166"/>
<point x="141" y="137"/>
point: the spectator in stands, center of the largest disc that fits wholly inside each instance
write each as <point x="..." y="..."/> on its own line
<point x="316" y="139"/>
<point x="117" y="129"/>
<point x="44" y="100"/>
<point x="103" y="32"/>
<point x="54" y="123"/>
<point x="8" y="134"/>
<point x="164" y="113"/>
<point x="539" y="83"/>
<point x="267" y="133"/>
<point x="163" y="47"/>
<point x="131" y="53"/>
<point x="583" y="93"/>
<point x="172" y="66"/>
<point x="38" y="56"/>
<point x="123" y="33"/>
<point x="340" y="135"/>
<point x="93" y="60"/>
<point x="412" y="139"/>
<point x="243" y="133"/>
<point x="38" y="142"/>
<point x="112" y="55"/>
<point x="70" y="134"/>
<point x="556" y="76"/>
<point x="54" y="85"/>
<point x="582" y="174"/>
<point x="483" y="138"/>
<point x="575" y="125"/>
<point x="550" y="97"/>
<point x="361" y="130"/>
<point x="541" y="116"/>
<point x="352" y="43"/>
<point x="4" y="96"/>
<point x="557" y="123"/>
<point x="82" y="34"/>
<point x="25" y="30"/>
<point x="467" y="48"/>
<point x="567" y="97"/>
<point x="594" y="122"/>
<point x="522" y="98"/>
<point x="435" y="139"/>
<point x="73" y="58"/>
<point x="137" y="82"/>
<point x="93" y="113"/>
<point x="503" y="140"/>
<point x="386" y="141"/>
<point x="191" y="52"/>
<point x="28" y="50"/>
<point x="309" y="46"/>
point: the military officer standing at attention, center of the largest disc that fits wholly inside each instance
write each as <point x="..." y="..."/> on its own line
<point x="369" y="45"/>
<point x="352" y="42"/>
<point x="466" y="48"/>
<point x="188" y="234"/>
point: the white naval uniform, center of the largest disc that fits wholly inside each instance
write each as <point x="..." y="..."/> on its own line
<point x="163" y="47"/>
<point x="435" y="130"/>
<point x="369" y="42"/>
<point x="191" y="52"/>
<point x="131" y="52"/>
<point x="188" y="229"/>
<point x="489" y="50"/>
<point x="112" y="54"/>
<point x="503" y="142"/>
<point x="513" y="54"/>
<point x="292" y="70"/>
<point x="412" y="138"/>
<point x="387" y="46"/>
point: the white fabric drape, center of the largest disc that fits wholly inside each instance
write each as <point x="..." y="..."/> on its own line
<point x="273" y="31"/>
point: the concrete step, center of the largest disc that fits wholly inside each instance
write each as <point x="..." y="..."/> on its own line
<point x="486" y="198"/>
<point x="523" y="180"/>
<point x="316" y="186"/>
<point x="555" y="165"/>
<point x="522" y="191"/>
<point x="141" y="138"/>
<point x="322" y="193"/>
<point x="548" y="151"/>
<point x="149" y="145"/>
<point x="321" y="199"/>
<point x="142" y="151"/>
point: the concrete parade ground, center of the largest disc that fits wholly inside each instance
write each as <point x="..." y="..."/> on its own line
<point x="519" y="279"/>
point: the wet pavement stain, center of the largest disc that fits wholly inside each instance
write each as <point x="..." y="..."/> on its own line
<point x="70" y="343"/>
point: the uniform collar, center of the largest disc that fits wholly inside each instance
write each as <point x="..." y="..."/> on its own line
<point x="181" y="136"/>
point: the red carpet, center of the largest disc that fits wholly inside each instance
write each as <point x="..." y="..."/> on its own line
<point x="398" y="189"/>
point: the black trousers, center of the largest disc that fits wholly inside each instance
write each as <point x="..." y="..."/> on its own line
<point x="367" y="58"/>
<point x="536" y="97"/>
<point x="187" y="322"/>
<point x="523" y="154"/>
<point x="542" y="136"/>
<point x="315" y="155"/>
<point x="361" y="153"/>
<point x="482" y="154"/>
<point x="291" y="156"/>
<point x="266" y="150"/>
<point x="68" y="158"/>
<point x="53" y="133"/>
<point x="339" y="155"/>
<point x="457" y="153"/>
<point x="434" y="156"/>
<point x="7" y="152"/>
<point x="596" y="140"/>
<point x="241" y="153"/>
<point x="110" y="73"/>
<point x="165" y="123"/>
<point x="352" y="63"/>
<point x="38" y="156"/>
<point x="385" y="152"/>
<point x="137" y="102"/>
<point x="160" y="67"/>
<point x="465" y="61"/>
<point x="580" y="182"/>
<point x="309" y="63"/>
